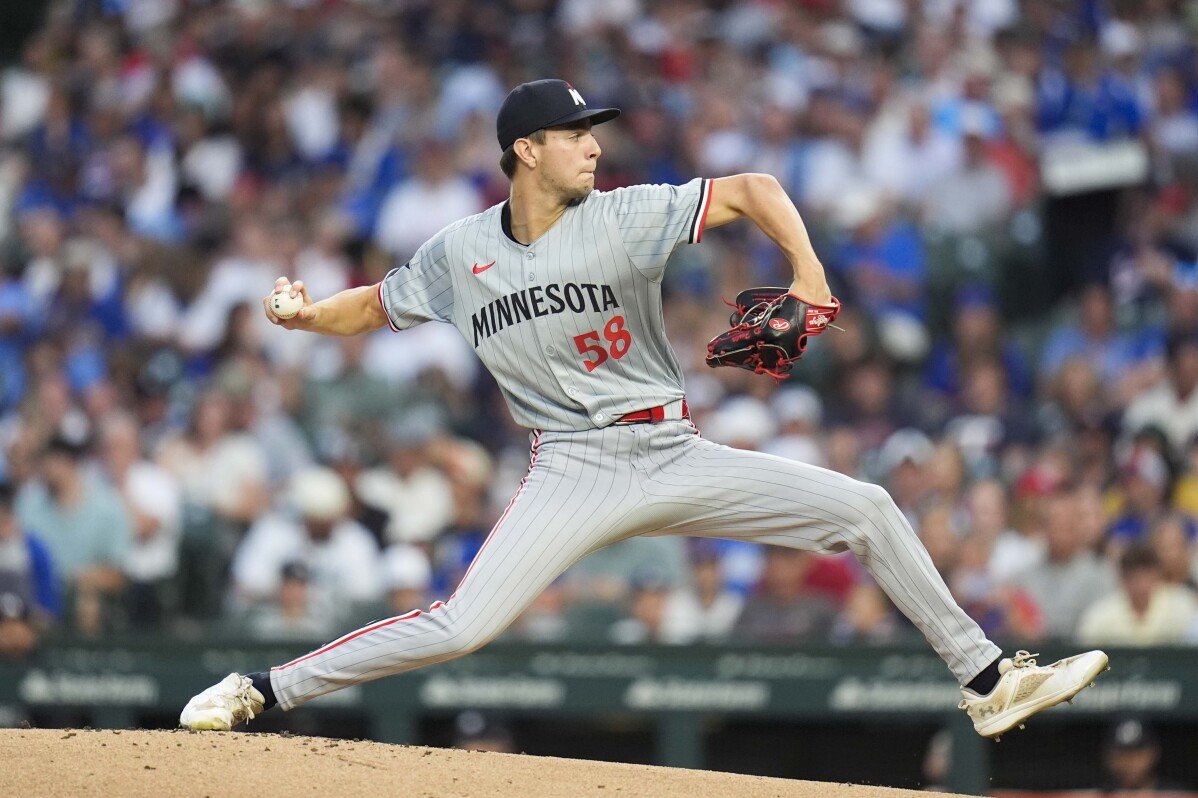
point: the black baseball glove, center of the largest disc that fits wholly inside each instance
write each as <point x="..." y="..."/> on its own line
<point x="770" y="329"/>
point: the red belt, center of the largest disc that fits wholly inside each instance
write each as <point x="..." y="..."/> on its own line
<point x="650" y="415"/>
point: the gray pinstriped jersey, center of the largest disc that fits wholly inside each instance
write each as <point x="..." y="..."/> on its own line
<point x="570" y="326"/>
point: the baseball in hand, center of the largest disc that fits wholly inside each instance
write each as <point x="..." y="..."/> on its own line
<point x="285" y="306"/>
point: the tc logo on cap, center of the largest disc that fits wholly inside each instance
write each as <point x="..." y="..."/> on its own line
<point x="542" y="104"/>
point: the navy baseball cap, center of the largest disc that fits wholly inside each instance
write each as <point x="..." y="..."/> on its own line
<point x="544" y="103"/>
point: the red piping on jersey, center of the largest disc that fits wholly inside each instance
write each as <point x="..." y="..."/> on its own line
<point x="390" y="323"/>
<point x="702" y="219"/>
<point x="413" y="614"/>
<point x="531" y="462"/>
<point x="342" y="640"/>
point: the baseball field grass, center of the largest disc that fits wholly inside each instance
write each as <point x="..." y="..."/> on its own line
<point x="66" y="762"/>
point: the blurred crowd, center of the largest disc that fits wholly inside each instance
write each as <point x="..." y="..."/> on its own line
<point x="1004" y="195"/>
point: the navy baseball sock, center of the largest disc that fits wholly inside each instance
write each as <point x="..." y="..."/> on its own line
<point x="262" y="685"/>
<point x="985" y="681"/>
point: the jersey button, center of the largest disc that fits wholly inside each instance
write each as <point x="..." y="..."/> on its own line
<point x="551" y="350"/>
<point x="532" y="276"/>
<point x="571" y="392"/>
<point x="530" y="256"/>
<point x="598" y="416"/>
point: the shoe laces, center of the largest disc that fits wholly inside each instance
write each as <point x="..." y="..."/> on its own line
<point x="1022" y="659"/>
<point x="243" y="700"/>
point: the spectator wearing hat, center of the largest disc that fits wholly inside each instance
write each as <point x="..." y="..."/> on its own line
<point x="742" y="422"/>
<point x="867" y="399"/>
<point x="901" y="466"/>
<point x="414" y="496"/>
<point x="1070" y="574"/>
<point x="1144" y="611"/>
<point x="704" y="608"/>
<point x="1131" y="759"/>
<point x="292" y="615"/>
<point x="799" y="412"/>
<point x="340" y="554"/>
<point x="407" y="577"/>
<point x="84" y="525"/>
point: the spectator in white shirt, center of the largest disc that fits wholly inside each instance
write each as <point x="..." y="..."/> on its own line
<point x="407" y="577"/>
<point x="704" y="610"/>
<point x="1144" y="611"/>
<point x="340" y="553"/>
<point x="420" y="206"/>
<point x="974" y="197"/>
<point x="1172" y="404"/>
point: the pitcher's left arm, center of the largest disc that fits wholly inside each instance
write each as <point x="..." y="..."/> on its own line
<point x="762" y="200"/>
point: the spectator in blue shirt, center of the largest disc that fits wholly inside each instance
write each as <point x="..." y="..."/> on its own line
<point x="26" y="567"/>
<point x="1083" y="98"/>
<point x="882" y="258"/>
<point x="976" y="336"/>
<point x="1113" y="354"/>
<point x="85" y="527"/>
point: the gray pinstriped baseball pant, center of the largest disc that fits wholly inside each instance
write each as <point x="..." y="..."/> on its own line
<point x="586" y="490"/>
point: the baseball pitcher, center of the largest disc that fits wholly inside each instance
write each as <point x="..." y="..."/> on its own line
<point x="558" y="290"/>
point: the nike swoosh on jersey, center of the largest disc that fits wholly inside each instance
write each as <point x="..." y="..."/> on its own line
<point x="480" y="269"/>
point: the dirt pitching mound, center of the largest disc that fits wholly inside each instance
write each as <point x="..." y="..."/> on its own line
<point x="58" y="762"/>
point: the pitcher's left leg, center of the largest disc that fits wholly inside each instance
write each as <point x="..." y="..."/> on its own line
<point x="748" y="495"/>
<point x="718" y="491"/>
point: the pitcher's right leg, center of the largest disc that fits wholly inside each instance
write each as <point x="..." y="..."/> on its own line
<point x="572" y="501"/>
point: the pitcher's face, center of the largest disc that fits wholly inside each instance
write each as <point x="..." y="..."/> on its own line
<point x="567" y="161"/>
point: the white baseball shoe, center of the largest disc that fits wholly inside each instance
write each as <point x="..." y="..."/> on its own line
<point x="1025" y="688"/>
<point x="231" y="701"/>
